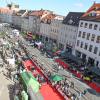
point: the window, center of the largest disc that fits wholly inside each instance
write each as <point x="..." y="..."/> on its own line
<point x="95" y="50"/>
<point x="86" y="46"/>
<point x="99" y="53"/>
<point x="78" y="42"/>
<point x="98" y="39"/>
<point x="65" y="35"/>
<point x="95" y="27"/>
<point x="81" y="45"/>
<point x="85" y="25"/>
<point x="88" y="36"/>
<point x="90" y="26"/>
<point x="83" y="36"/>
<point x="79" y="35"/>
<point x="81" y="25"/>
<point x="93" y="37"/>
<point x="90" y="48"/>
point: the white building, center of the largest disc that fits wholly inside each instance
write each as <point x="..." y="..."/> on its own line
<point x="55" y="28"/>
<point x="17" y="18"/>
<point x="68" y="31"/>
<point x="88" y="38"/>
<point x="45" y="29"/>
<point x="25" y="24"/>
<point x="6" y="13"/>
<point x="35" y="18"/>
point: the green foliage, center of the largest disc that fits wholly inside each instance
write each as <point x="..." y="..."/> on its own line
<point x="2" y="34"/>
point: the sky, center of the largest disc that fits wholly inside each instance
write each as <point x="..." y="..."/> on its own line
<point x="61" y="7"/>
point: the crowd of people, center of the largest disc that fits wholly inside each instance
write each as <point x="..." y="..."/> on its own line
<point x="63" y="86"/>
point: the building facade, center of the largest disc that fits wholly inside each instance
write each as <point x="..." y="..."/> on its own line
<point x="25" y="24"/>
<point x="68" y="31"/>
<point x="34" y="24"/>
<point x="55" y="29"/>
<point x="45" y="31"/>
<point x="88" y="38"/>
<point x="17" y="18"/>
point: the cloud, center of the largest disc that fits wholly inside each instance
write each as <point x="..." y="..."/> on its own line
<point x="78" y="5"/>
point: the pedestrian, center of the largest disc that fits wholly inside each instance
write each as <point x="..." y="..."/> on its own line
<point x="84" y="92"/>
<point x="72" y="85"/>
<point x="80" y="95"/>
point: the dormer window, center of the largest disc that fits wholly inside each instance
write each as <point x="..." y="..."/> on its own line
<point x="70" y="21"/>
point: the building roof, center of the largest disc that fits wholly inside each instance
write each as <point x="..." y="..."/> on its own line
<point x="45" y="15"/>
<point x="21" y="12"/>
<point x="73" y="18"/>
<point x="59" y="17"/>
<point x="37" y="13"/>
<point x="93" y="13"/>
<point x="5" y="10"/>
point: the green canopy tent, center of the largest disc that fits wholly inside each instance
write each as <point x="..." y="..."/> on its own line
<point x="56" y="78"/>
<point x="29" y="81"/>
<point x="34" y="85"/>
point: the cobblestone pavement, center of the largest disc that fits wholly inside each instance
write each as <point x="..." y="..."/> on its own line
<point x="5" y="84"/>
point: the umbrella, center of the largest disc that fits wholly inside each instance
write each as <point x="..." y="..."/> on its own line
<point x="56" y="78"/>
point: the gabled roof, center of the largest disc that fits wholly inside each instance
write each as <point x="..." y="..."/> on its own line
<point x="72" y="18"/>
<point x="21" y="12"/>
<point x="93" y="13"/>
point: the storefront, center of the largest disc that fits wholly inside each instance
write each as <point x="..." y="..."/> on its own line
<point x="61" y="46"/>
<point x="91" y="61"/>
<point x="78" y="54"/>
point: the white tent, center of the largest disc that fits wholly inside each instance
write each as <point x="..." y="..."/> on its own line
<point x="15" y="32"/>
<point x="38" y="43"/>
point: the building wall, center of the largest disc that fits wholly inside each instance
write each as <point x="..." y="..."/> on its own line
<point x="67" y="35"/>
<point x="25" y="24"/>
<point x="55" y="28"/>
<point x="94" y="33"/>
<point x="45" y="29"/>
<point x="34" y="24"/>
<point x="17" y="20"/>
<point x="5" y="17"/>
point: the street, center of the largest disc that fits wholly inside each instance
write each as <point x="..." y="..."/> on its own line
<point x="49" y="63"/>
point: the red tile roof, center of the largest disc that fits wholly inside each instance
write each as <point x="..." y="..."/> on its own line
<point x="44" y="15"/>
<point x="37" y="13"/>
<point x="93" y="13"/>
<point x="49" y="16"/>
<point x="5" y="10"/>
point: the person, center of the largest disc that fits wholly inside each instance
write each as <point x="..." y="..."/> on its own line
<point x="80" y="96"/>
<point x="72" y="85"/>
<point x="84" y="92"/>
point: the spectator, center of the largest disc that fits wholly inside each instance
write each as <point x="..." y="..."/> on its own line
<point x="72" y="85"/>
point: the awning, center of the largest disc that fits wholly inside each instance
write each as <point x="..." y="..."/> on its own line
<point x="56" y="78"/>
<point x="30" y="81"/>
